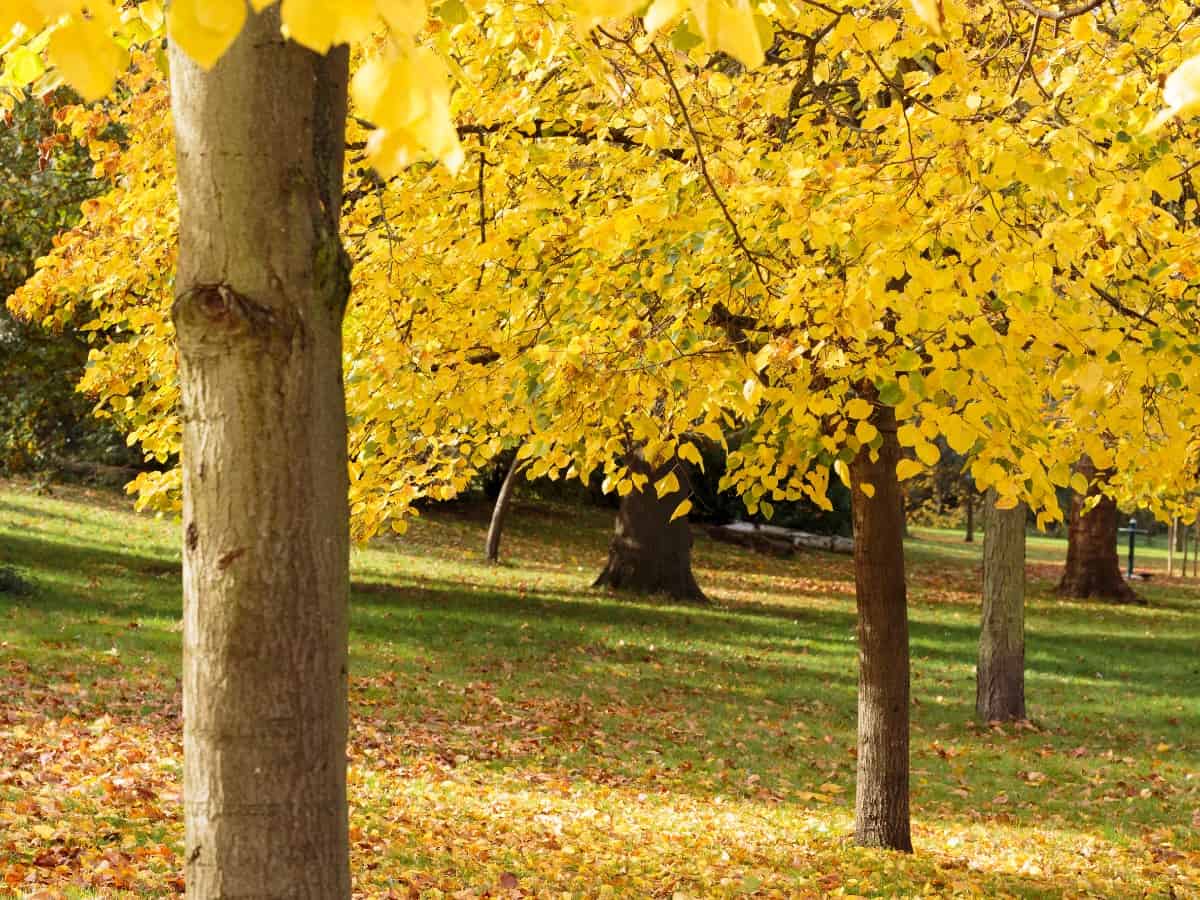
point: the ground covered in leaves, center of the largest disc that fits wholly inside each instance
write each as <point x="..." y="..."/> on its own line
<point x="516" y="733"/>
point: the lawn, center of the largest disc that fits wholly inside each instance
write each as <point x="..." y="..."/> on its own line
<point x="516" y="733"/>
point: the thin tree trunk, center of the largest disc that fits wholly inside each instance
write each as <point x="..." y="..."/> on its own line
<point x="881" y="792"/>
<point x="1000" y="673"/>
<point x="1184" y="556"/>
<point x="261" y="289"/>
<point x="1093" y="568"/>
<point x="1172" y="532"/>
<point x="1192" y="533"/>
<point x="970" y="497"/>
<point x="500" y="510"/>
<point x="649" y="553"/>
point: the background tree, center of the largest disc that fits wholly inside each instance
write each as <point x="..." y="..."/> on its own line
<point x="44" y="177"/>
<point x="651" y="550"/>
<point x="1000" y="672"/>
<point x="1093" y="567"/>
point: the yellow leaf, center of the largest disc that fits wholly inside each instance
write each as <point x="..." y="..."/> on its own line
<point x="729" y="26"/>
<point x="907" y="468"/>
<point x="319" y="25"/>
<point x="931" y="13"/>
<point x="87" y="57"/>
<point x="928" y="453"/>
<point x="45" y="832"/>
<point x="687" y="451"/>
<point x="868" y="489"/>
<point x="957" y="436"/>
<point x="403" y="16"/>
<point x="668" y="484"/>
<point x="1181" y="93"/>
<point x="865" y="432"/>
<point x="842" y="471"/>
<point x="681" y="510"/>
<point x="908" y="434"/>
<point x="858" y="408"/>
<point x="662" y="13"/>
<point x="204" y="29"/>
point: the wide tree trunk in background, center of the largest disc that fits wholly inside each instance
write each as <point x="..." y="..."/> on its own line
<point x="649" y="553"/>
<point x="261" y="289"/>
<point x="881" y="800"/>
<point x="500" y="510"/>
<point x="1093" y="568"/>
<point x="1000" y="674"/>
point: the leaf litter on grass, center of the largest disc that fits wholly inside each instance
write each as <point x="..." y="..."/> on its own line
<point x="516" y="735"/>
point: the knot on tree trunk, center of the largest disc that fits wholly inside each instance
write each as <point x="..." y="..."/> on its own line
<point x="214" y="315"/>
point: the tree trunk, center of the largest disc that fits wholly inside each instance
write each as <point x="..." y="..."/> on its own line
<point x="970" y="500"/>
<point x="1093" y="568"/>
<point x="500" y="510"/>
<point x="1000" y="674"/>
<point x="881" y="799"/>
<point x="1172" y="533"/>
<point x="1187" y="538"/>
<point x="649" y="553"/>
<point x="261" y="289"/>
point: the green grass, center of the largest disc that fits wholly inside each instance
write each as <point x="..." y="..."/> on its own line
<point x="512" y="720"/>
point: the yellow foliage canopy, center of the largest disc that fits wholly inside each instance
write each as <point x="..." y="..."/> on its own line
<point x="642" y="240"/>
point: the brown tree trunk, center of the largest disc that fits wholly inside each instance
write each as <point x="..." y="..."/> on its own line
<point x="881" y="797"/>
<point x="1093" y="568"/>
<point x="649" y="553"/>
<point x="500" y="510"/>
<point x="261" y="288"/>
<point x="1000" y="674"/>
<point x="1172" y="534"/>
<point x="969" y="494"/>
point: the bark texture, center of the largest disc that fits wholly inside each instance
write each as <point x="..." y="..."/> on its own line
<point x="649" y="553"/>
<point x="500" y="510"/>
<point x="1000" y="673"/>
<point x="881" y="813"/>
<point x="261" y="289"/>
<point x="1093" y="568"/>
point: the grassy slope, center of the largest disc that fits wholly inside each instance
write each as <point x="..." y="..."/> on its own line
<point x="512" y="726"/>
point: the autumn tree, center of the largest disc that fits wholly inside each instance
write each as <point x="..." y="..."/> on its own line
<point x="844" y="215"/>
<point x="44" y="177"/>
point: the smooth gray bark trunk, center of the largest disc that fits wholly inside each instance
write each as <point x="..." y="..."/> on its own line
<point x="881" y="803"/>
<point x="500" y="510"/>
<point x="1000" y="673"/>
<point x="261" y="290"/>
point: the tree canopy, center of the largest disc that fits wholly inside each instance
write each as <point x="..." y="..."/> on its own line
<point x="640" y="237"/>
